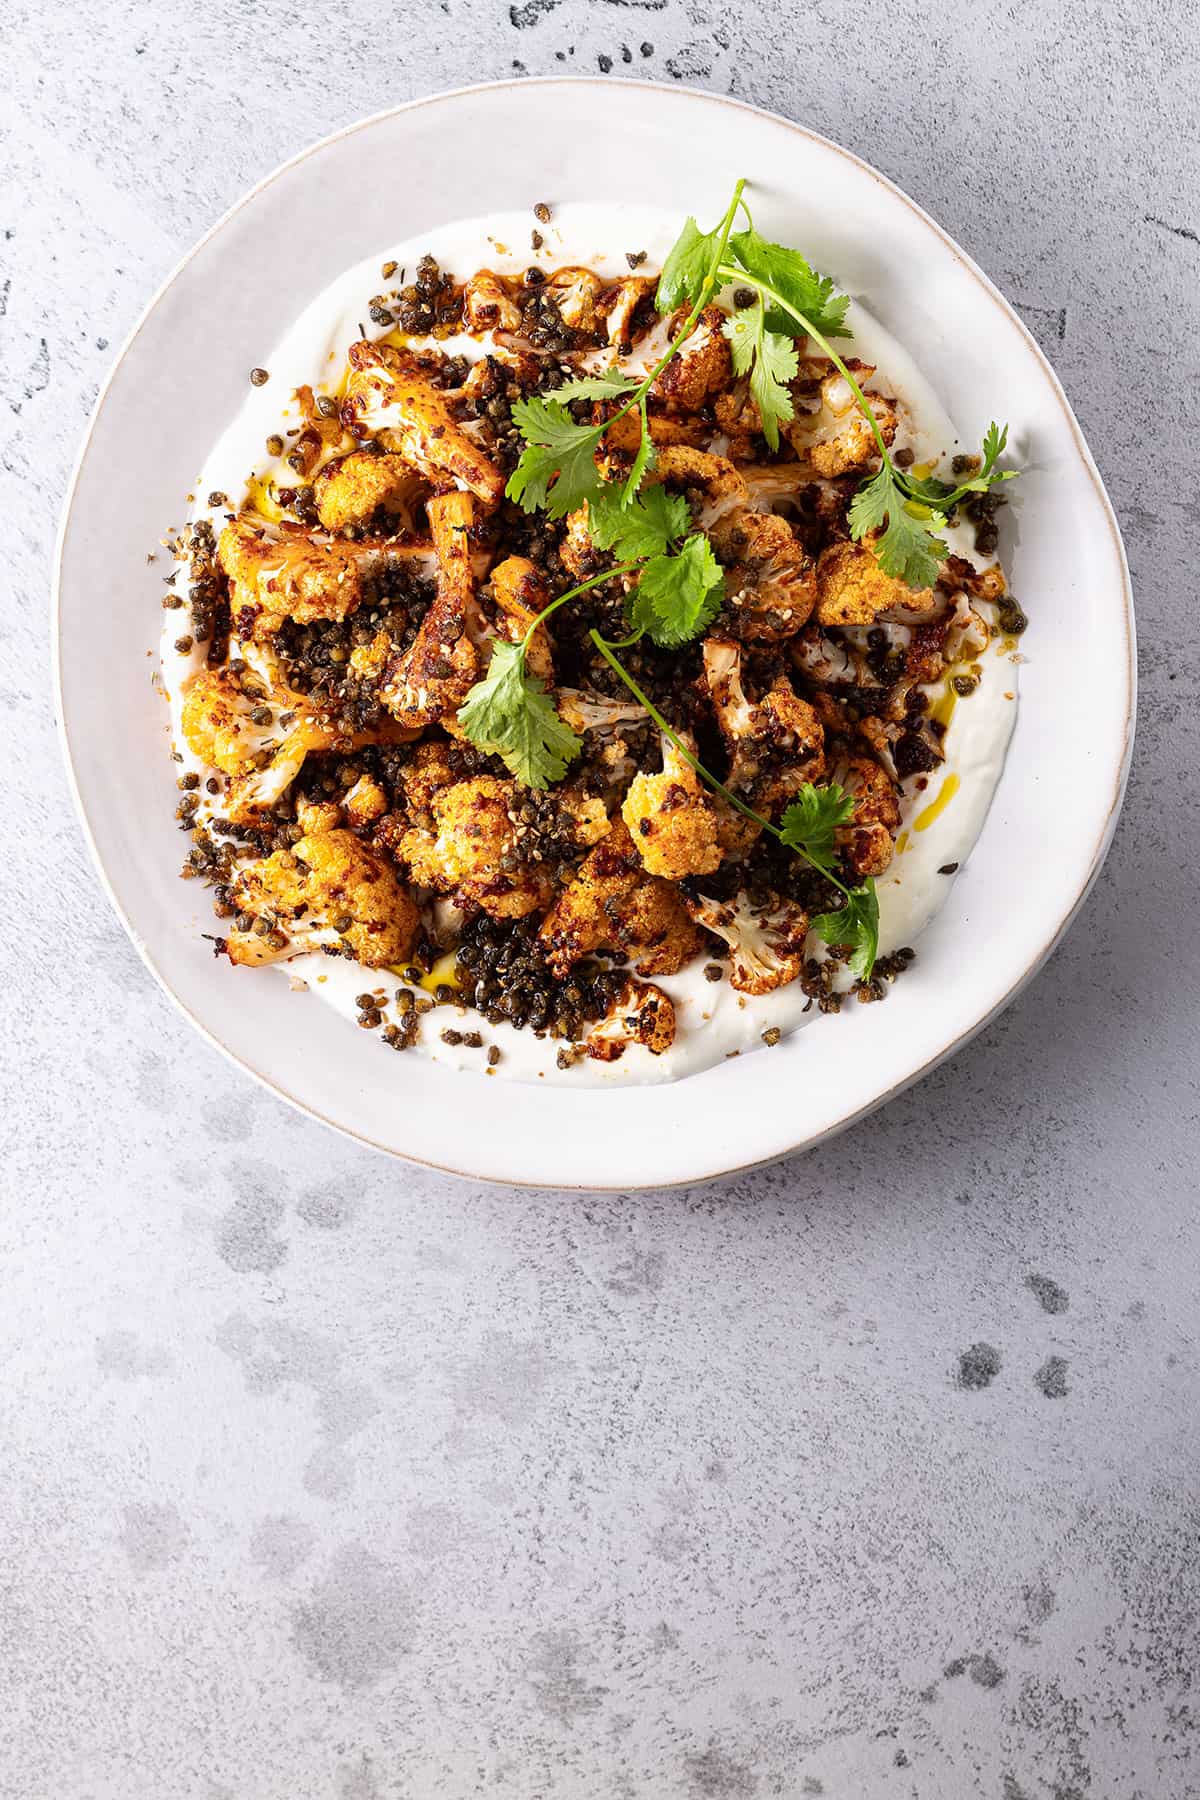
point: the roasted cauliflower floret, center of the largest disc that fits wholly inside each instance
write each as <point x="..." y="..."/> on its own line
<point x="584" y="711"/>
<point x="277" y="575"/>
<point x="575" y="291"/>
<point x="473" y="849"/>
<point x="704" y="366"/>
<point x="391" y="397"/>
<point x="304" y="897"/>
<point x="488" y="306"/>
<point x="433" y="766"/>
<point x="365" y="803"/>
<point x="770" y="579"/>
<point x="519" y="593"/>
<point x="718" y="487"/>
<point x="766" y="945"/>
<point x="431" y="679"/>
<point x="641" y="1014"/>
<point x="868" y="841"/>
<point x="780" y="723"/>
<point x="852" y="589"/>
<point x="350" y="490"/>
<point x="613" y="904"/>
<point x="243" y="735"/>
<point x="833" y="435"/>
<point x="672" y="821"/>
<point x="619" y="306"/>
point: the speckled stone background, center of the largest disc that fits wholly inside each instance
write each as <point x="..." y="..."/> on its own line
<point x="874" y="1475"/>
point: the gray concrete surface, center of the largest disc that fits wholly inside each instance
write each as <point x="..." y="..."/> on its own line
<point x="874" y="1475"/>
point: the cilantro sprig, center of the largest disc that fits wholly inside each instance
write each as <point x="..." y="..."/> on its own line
<point x="807" y="829"/>
<point x="510" y="714"/>
<point x="557" y="468"/>
<point x="904" y="514"/>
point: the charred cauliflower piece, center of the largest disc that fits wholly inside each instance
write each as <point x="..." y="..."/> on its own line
<point x="766" y="945"/>
<point x="519" y="593"/>
<point x="868" y="841"/>
<point x="430" y="680"/>
<point x="834" y="436"/>
<point x="672" y="821"/>
<point x="780" y="723"/>
<point x="613" y="904"/>
<point x="852" y="589"/>
<point x="244" y="738"/>
<point x="718" y="487"/>
<point x="277" y="575"/>
<point x="575" y="291"/>
<point x="304" y="896"/>
<point x="473" y="849"/>
<point x="391" y="397"/>
<point x="488" y="306"/>
<point x="641" y="1014"/>
<point x="770" y="579"/>
<point x="350" y="490"/>
<point x="619" y="305"/>
<point x="704" y="366"/>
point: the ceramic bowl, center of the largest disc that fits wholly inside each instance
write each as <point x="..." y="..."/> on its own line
<point x="181" y="376"/>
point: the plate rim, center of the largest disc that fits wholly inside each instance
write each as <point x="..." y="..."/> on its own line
<point x="603" y="84"/>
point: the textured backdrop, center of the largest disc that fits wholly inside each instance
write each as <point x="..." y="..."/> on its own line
<point x="872" y="1475"/>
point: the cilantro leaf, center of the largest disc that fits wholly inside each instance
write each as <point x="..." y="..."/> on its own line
<point x="557" y="468"/>
<point x="855" y="926"/>
<point x="812" y="819"/>
<point x="687" y="267"/>
<point x="677" y="596"/>
<point x="772" y="363"/>
<point x="610" y="384"/>
<point x="795" y="281"/>
<point x="509" y="714"/>
<point x="994" y="440"/>
<point x="647" y="526"/>
<point x="909" y="548"/>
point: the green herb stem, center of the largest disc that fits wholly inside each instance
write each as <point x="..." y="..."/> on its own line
<point x="606" y="650"/>
<point x="595" y="581"/>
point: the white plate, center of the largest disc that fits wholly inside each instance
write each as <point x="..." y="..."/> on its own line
<point x="183" y="373"/>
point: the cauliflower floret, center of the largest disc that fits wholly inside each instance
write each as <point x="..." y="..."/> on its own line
<point x="585" y="711"/>
<point x="641" y="1014"/>
<point x="472" y="840"/>
<point x="244" y="738"/>
<point x="313" y="816"/>
<point x="519" y="592"/>
<point x="488" y="306"/>
<point x="833" y="434"/>
<point x="277" y="575"/>
<point x="307" y="894"/>
<point x="704" y="366"/>
<point x="365" y="803"/>
<point x="574" y="291"/>
<point x="781" y="721"/>
<point x="350" y="490"/>
<point x="612" y="903"/>
<point x="433" y="766"/>
<point x="770" y="579"/>
<point x="672" y="820"/>
<point x="619" y="305"/>
<point x="580" y="556"/>
<point x="431" y="679"/>
<point x="721" y="487"/>
<point x="390" y="396"/>
<point x="766" y="946"/>
<point x="852" y="589"/>
<point x="868" y="841"/>
<point x="624" y="436"/>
